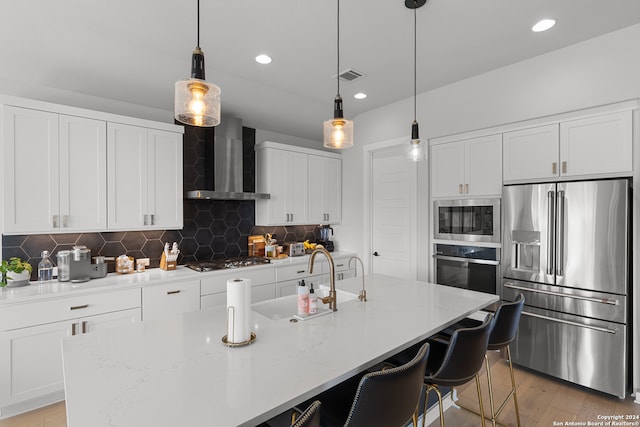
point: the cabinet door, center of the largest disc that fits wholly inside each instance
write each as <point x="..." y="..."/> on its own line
<point x="83" y="174"/>
<point x="271" y="178"/>
<point x="263" y="292"/>
<point x="483" y="166"/>
<point x="597" y="145"/>
<point x="31" y="362"/>
<point x="447" y="169"/>
<point x="531" y="153"/>
<point x="171" y="298"/>
<point x="297" y="191"/>
<point x="286" y="288"/>
<point x="108" y="320"/>
<point x="213" y="300"/>
<point x="325" y="189"/>
<point x="31" y="200"/>
<point x="164" y="196"/>
<point x="127" y="176"/>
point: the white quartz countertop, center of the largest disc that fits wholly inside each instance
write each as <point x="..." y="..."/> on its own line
<point x="153" y="276"/>
<point x="177" y="372"/>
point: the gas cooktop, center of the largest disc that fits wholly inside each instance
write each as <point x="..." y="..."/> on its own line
<point x="223" y="264"/>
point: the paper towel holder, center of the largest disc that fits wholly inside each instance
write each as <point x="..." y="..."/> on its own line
<point x="225" y="339"/>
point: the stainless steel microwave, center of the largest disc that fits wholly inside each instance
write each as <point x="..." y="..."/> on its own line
<point x="469" y="220"/>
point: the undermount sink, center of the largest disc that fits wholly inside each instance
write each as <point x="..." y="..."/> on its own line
<point x="285" y="307"/>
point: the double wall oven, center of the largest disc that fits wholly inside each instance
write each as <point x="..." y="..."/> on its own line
<point x="463" y="261"/>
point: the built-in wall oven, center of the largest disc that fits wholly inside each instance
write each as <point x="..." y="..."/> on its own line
<point x="473" y="220"/>
<point x="467" y="267"/>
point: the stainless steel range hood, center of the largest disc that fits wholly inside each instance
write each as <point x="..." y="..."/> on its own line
<point x="227" y="165"/>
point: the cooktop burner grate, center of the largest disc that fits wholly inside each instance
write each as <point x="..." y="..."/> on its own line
<point x="229" y="263"/>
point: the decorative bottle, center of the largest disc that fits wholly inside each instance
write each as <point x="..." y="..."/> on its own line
<point x="45" y="268"/>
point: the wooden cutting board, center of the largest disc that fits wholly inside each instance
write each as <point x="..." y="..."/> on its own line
<point x="256" y="245"/>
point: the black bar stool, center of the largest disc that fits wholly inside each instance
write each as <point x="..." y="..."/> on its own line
<point x="456" y="361"/>
<point x="388" y="397"/>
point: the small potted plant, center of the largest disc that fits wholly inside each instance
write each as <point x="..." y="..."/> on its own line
<point x="16" y="271"/>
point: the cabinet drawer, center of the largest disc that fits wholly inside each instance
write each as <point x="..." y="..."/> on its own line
<point x="170" y="298"/>
<point x="299" y="271"/>
<point x="37" y="313"/>
<point x="213" y="300"/>
<point x="217" y="282"/>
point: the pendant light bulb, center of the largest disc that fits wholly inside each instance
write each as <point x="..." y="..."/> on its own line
<point x="416" y="150"/>
<point x="197" y="102"/>
<point x="337" y="133"/>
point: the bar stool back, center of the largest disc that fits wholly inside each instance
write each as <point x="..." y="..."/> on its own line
<point x="310" y="417"/>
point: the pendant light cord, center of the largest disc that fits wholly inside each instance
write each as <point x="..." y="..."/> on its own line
<point x="198" y="44"/>
<point x="338" y="49"/>
<point x="415" y="59"/>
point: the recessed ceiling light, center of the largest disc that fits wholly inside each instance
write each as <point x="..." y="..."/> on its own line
<point x="543" y="25"/>
<point x="263" y="59"/>
<point x="360" y="95"/>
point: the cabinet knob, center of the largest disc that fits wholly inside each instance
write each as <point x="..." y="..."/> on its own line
<point x="376" y="253"/>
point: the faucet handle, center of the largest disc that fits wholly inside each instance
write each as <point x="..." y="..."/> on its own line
<point x="362" y="296"/>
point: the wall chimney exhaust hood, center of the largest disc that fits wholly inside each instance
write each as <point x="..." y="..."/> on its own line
<point x="227" y="165"/>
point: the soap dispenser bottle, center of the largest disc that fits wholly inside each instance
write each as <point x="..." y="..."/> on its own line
<point x="303" y="299"/>
<point x="313" y="300"/>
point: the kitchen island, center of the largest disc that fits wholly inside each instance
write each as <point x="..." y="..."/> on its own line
<point x="177" y="371"/>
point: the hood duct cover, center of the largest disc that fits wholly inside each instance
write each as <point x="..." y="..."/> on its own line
<point x="227" y="165"/>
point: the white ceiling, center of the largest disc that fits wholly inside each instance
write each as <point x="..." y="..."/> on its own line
<point x="133" y="51"/>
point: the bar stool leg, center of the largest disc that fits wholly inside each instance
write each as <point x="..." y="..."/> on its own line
<point x="426" y="402"/>
<point x="480" y="400"/>
<point x="513" y="386"/>
<point x="491" y="401"/>
<point x="512" y="392"/>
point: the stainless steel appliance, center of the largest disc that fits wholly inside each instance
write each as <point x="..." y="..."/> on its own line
<point x="295" y="249"/>
<point x="566" y="248"/>
<point x="325" y="237"/>
<point x="468" y="267"/>
<point x="223" y="264"/>
<point x="74" y="265"/>
<point x="473" y="220"/>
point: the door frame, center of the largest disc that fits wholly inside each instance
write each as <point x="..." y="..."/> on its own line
<point x="419" y="229"/>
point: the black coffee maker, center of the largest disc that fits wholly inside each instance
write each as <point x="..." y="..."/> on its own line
<point x="325" y="240"/>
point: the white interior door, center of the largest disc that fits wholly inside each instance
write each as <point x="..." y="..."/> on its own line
<point x="393" y="196"/>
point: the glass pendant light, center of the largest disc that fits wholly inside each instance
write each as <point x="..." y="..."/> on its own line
<point x="416" y="150"/>
<point x="338" y="132"/>
<point x="197" y="102"/>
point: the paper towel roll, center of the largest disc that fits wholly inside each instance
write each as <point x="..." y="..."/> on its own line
<point x="238" y="310"/>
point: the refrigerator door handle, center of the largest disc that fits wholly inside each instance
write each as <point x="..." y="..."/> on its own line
<point x="551" y="225"/>
<point x="569" y="322"/>
<point x="559" y="294"/>
<point x="560" y="235"/>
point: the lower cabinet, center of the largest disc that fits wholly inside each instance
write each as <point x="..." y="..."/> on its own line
<point x="170" y="298"/>
<point x="30" y="356"/>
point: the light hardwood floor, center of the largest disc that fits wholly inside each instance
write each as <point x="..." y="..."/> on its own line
<point x="543" y="400"/>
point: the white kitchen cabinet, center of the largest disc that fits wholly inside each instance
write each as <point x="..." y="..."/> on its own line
<point x="170" y="298"/>
<point x="325" y="189"/>
<point x="30" y="356"/>
<point x="584" y="147"/>
<point x="531" y="153"/>
<point x="305" y="185"/>
<point x="597" y="145"/>
<point x="144" y="178"/>
<point x="471" y="167"/>
<point x="55" y="172"/>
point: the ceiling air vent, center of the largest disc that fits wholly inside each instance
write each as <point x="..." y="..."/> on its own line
<point x="349" y="75"/>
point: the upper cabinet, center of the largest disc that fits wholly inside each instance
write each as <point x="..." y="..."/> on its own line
<point x="56" y="175"/>
<point x="305" y="185"/>
<point x="470" y="167"/>
<point x="145" y="178"/>
<point x="592" y="146"/>
<point x="54" y="172"/>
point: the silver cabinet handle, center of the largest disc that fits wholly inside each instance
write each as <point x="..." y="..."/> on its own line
<point x="55" y="221"/>
<point x="144" y="219"/>
<point x="84" y="327"/>
<point x="78" y="307"/>
<point x="460" y="188"/>
<point x="554" y="168"/>
<point x="466" y="188"/>
<point x="153" y="219"/>
<point x="173" y="292"/>
<point x="291" y="217"/>
<point x="560" y="294"/>
<point x="65" y="220"/>
<point x="73" y="328"/>
<point x="564" y="167"/>
<point x="301" y="271"/>
<point x="569" y="322"/>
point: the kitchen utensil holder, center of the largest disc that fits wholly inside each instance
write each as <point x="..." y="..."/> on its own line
<point x="167" y="264"/>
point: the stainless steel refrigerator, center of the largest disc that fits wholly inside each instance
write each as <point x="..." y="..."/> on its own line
<point x="566" y="248"/>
